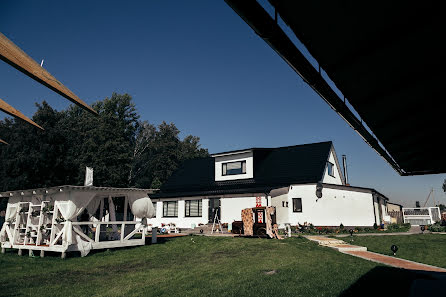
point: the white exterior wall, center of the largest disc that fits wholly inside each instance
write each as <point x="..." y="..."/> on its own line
<point x="376" y="206"/>
<point x="336" y="179"/>
<point x="282" y="216"/>
<point x="181" y="221"/>
<point x="335" y="207"/>
<point x="231" y="208"/>
<point x="246" y="156"/>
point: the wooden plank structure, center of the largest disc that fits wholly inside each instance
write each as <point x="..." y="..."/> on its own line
<point x="5" y="107"/>
<point x="74" y="218"/>
<point x="14" y="56"/>
<point x="17" y="58"/>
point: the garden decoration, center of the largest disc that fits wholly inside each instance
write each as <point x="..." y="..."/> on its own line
<point x="422" y="227"/>
<point x="394" y="249"/>
<point x="351" y="233"/>
<point x="201" y="231"/>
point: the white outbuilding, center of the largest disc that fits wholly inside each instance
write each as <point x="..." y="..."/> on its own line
<point x="75" y="218"/>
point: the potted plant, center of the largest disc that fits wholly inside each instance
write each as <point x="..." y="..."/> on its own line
<point x="48" y="209"/>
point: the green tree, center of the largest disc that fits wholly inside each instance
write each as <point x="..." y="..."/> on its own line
<point x="34" y="158"/>
<point x="122" y="150"/>
<point x="104" y="142"/>
<point x="159" y="151"/>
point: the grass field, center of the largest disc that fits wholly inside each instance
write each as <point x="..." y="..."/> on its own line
<point x="203" y="266"/>
<point x="424" y="248"/>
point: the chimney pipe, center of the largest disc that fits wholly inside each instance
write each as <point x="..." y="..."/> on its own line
<point x="344" y="165"/>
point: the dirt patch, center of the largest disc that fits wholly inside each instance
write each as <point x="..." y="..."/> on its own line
<point x="270" y="272"/>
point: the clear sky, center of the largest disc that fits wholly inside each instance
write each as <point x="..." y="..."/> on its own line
<point x="193" y="63"/>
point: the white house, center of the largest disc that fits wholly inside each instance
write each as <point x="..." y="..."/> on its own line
<point x="303" y="182"/>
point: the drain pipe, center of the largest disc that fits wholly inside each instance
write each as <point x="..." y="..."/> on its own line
<point x="344" y="165"/>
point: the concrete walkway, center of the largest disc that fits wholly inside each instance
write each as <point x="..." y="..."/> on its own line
<point x="394" y="262"/>
<point x="361" y="252"/>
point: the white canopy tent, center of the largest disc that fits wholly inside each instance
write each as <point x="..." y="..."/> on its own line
<point x="75" y="218"/>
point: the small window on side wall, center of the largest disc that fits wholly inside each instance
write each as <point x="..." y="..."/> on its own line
<point x="297" y="204"/>
<point x="330" y="169"/>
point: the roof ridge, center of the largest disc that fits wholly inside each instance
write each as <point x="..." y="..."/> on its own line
<point x="273" y="148"/>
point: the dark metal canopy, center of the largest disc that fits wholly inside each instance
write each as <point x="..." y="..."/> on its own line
<point x="388" y="60"/>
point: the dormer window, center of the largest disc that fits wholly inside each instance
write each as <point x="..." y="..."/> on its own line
<point x="330" y="169"/>
<point x="233" y="168"/>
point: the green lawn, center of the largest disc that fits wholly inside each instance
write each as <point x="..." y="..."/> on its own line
<point x="203" y="266"/>
<point x="424" y="248"/>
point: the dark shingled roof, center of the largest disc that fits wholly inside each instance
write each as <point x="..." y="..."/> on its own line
<point x="273" y="168"/>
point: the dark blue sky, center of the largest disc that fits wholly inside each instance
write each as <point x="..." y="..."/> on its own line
<point x="194" y="63"/>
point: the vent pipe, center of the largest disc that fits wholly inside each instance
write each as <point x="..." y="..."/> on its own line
<point x="344" y="165"/>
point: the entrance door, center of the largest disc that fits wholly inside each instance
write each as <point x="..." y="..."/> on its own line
<point x="214" y="208"/>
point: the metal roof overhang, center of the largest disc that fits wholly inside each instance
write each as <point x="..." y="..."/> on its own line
<point x="386" y="58"/>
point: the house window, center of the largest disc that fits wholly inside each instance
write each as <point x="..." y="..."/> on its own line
<point x="193" y="208"/>
<point x="297" y="204"/>
<point x="232" y="168"/>
<point x="330" y="169"/>
<point x="170" y="209"/>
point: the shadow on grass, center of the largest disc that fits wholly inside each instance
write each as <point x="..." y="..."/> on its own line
<point x="36" y="253"/>
<point x="395" y="282"/>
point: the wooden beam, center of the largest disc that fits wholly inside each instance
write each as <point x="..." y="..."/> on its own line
<point x="5" y="107"/>
<point x="2" y="141"/>
<point x="14" y="56"/>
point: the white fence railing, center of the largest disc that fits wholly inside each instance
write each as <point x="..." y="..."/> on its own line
<point x="421" y="215"/>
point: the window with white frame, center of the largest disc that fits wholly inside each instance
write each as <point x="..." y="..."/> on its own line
<point x="233" y="168"/>
<point x="193" y="208"/>
<point x="170" y="209"/>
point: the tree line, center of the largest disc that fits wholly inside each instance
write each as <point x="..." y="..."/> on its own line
<point x="123" y="150"/>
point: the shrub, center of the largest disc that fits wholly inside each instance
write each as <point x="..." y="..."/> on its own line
<point x="375" y="226"/>
<point x="341" y="227"/>
<point x="437" y="227"/>
<point x="393" y="227"/>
